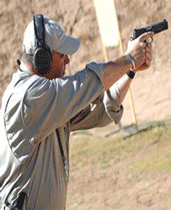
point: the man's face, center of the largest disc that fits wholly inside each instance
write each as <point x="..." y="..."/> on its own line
<point x="59" y="62"/>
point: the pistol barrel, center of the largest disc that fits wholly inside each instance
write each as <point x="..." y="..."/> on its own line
<point x="156" y="28"/>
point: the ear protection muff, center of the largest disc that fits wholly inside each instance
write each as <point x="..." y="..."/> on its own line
<point x="42" y="58"/>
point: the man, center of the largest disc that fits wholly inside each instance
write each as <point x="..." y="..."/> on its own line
<point x="41" y="106"/>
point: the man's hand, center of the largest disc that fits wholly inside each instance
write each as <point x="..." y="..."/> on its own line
<point x="141" y="51"/>
<point x="138" y="53"/>
<point x="148" y="58"/>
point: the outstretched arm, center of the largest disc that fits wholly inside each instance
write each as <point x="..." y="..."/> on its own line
<point x="141" y="54"/>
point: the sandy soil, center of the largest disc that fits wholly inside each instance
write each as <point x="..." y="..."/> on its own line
<point x="151" y="90"/>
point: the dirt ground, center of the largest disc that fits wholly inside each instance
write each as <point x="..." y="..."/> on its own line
<point x="117" y="189"/>
<point x="151" y="90"/>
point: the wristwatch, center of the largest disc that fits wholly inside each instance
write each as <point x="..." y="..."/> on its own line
<point x="130" y="74"/>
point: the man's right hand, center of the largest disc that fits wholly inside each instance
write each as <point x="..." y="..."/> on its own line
<point x="141" y="54"/>
<point x="140" y="51"/>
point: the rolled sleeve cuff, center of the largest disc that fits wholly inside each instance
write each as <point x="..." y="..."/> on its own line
<point x="115" y="115"/>
<point x="112" y="103"/>
<point x="97" y="68"/>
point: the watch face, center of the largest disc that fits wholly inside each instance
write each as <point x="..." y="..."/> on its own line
<point x="130" y="74"/>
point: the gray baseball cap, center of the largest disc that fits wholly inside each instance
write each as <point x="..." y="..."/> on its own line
<point x="55" y="38"/>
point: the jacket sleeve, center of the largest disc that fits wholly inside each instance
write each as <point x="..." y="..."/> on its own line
<point x="101" y="112"/>
<point x="48" y="104"/>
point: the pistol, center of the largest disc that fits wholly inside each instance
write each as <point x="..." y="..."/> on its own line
<point x="156" y="28"/>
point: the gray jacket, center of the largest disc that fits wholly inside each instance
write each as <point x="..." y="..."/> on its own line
<point x="37" y="113"/>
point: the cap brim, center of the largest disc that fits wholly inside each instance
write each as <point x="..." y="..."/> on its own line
<point x="69" y="46"/>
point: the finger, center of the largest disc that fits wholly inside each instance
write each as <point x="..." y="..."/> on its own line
<point x="148" y="63"/>
<point x="143" y="67"/>
<point x="145" y="36"/>
<point x="149" y="51"/>
<point x="149" y="47"/>
<point x="149" y="57"/>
